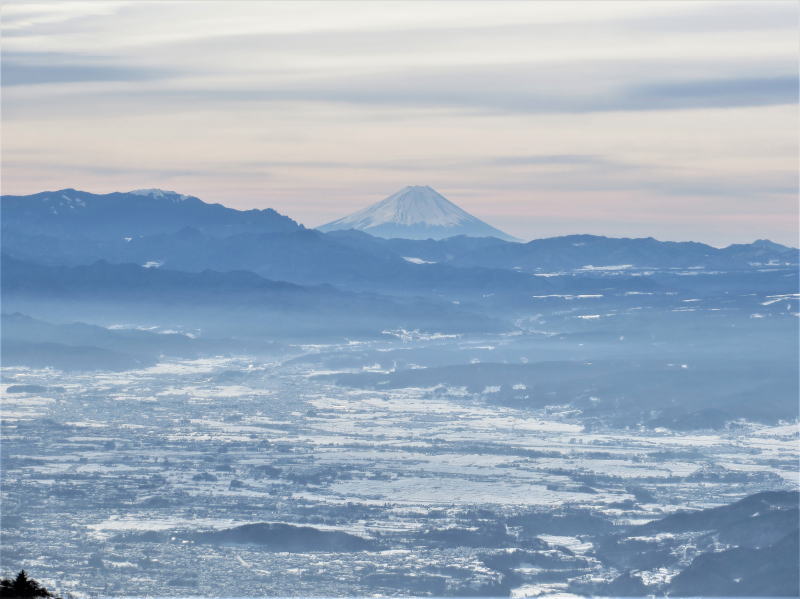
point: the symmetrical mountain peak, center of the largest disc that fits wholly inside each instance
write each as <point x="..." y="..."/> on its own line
<point x="416" y="212"/>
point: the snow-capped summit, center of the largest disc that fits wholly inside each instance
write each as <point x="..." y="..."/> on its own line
<point x="416" y="212"/>
<point x="160" y="193"/>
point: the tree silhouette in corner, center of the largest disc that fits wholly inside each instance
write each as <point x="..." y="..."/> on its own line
<point x="22" y="587"/>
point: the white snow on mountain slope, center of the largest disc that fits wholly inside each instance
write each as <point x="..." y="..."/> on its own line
<point x="410" y="206"/>
<point x="159" y="193"/>
<point x="416" y="212"/>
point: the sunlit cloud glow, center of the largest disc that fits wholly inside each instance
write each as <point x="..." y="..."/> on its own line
<point x="671" y="119"/>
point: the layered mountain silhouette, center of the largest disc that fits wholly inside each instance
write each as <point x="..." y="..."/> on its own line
<point x="153" y="246"/>
<point x="73" y="214"/>
<point x="221" y="303"/>
<point x="416" y="212"/>
<point x="181" y="232"/>
<point x="158" y="255"/>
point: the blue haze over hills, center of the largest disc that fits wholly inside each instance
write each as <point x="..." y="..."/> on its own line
<point x="166" y="259"/>
<point x="659" y="380"/>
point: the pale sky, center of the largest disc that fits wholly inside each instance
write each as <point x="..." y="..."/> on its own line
<point x="676" y="120"/>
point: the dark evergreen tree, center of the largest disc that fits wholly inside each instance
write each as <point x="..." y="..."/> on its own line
<point x="22" y="587"/>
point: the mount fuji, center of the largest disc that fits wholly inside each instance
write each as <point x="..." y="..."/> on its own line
<point x="416" y="212"/>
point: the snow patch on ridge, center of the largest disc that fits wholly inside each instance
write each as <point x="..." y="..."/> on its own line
<point x="417" y="260"/>
<point x="159" y="193"/>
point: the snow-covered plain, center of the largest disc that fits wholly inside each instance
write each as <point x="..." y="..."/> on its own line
<point x="118" y="471"/>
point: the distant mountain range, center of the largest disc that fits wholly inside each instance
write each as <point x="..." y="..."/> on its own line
<point x="598" y="325"/>
<point x="221" y="303"/>
<point x="158" y="255"/>
<point x="571" y="252"/>
<point x="73" y="214"/>
<point x="158" y="228"/>
<point x="416" y="212"/>
<point x="161" y="255"/>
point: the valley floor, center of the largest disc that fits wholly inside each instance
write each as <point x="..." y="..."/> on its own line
<point x="107" y="480"/>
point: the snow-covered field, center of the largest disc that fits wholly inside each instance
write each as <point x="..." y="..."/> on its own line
<point x="94" y="460"/>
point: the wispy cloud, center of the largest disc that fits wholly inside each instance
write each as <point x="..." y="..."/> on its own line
<point x="319" y="108"/>
<point x="21" y="17"/>
<point x="521" y="87"/>
<point x="717" y="93"/>
<point x="35" y="68"/>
